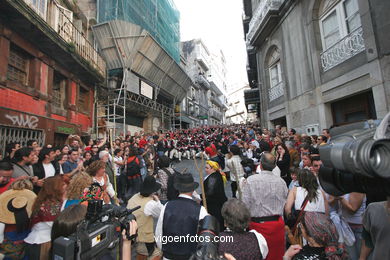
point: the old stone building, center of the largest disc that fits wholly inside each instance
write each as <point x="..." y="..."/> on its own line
<point x="49" y="71"/>
<point x="318" y="63"/>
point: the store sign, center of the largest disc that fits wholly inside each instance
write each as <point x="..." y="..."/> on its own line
<point x="65" y="130"/>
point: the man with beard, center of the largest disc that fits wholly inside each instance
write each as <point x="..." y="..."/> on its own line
<point x="22" y="161"/>
<point x="6" y="179"/>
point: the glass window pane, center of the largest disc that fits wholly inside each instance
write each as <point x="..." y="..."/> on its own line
<point x="330" y="30"/>
<point x="351" y="7"/>
<point x="352" y="15"/>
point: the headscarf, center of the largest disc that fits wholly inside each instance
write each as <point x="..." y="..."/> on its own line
<point x="216" y="167"/>
<point x="323" y="231"/>
<point x="213" y="165"/>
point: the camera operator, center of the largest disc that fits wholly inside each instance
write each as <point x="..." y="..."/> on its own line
<point x="68" y="220"/>
<point x="150" y="208"/>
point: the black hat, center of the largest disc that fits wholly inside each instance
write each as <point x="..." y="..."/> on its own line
<point x="149" y="185"/>
<point x="185" y="183"/>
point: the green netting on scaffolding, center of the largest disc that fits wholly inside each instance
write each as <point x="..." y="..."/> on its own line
<point x="159" y="17"/>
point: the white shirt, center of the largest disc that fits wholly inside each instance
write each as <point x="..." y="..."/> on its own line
<point x="110" y="190"/>
<point x="153" y="208"/>
<point x="315" y="206"/>
<point x="202" y="214"/>
<point x="116" y="166"/>
<point x="40" y="233"/>
<point x="276" y="171"/>
<point x="49" y="170"/>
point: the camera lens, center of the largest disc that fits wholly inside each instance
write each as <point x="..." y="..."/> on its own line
<point x="379" y="158"/>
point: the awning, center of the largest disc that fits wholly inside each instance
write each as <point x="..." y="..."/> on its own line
<point x="184" y="119"/>
<point x="126" y="45"/>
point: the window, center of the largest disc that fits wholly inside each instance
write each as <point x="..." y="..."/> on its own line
<point x="338" y="20"/>
<point x="275" y="74"/>
<point x="39" y="6"/>
<point x="18" y="63"/>
<point x="59" y="90"/>
<point x="83" y="103"/>
<point x="146" y="90"/>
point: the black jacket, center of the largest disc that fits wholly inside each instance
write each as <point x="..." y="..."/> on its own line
<point x="215" y="196"/>
<point x="39" y="171"/>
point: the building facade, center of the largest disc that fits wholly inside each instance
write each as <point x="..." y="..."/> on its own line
<point x="239" y="112"/>
<point x="206" y="100"/>
<point x="49" y="71"/>
<point x="319" y="63"/>
<point x="140" y="42"/>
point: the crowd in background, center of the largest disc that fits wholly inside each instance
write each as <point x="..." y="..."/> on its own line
<point x="273" y="175"/>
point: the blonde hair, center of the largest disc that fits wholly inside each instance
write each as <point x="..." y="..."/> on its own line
<point x="21" y="185"/>
<point x="77" y="184"/>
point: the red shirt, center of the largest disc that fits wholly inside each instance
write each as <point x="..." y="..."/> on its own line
<point x="142" y="143"/>
<point x="5" y="188"/>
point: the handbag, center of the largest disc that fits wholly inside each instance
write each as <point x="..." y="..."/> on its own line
<point x="293" y="235"/>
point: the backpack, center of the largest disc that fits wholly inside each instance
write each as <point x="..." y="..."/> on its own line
<point x="172" y="193"/>
<point x="133" y="167"/>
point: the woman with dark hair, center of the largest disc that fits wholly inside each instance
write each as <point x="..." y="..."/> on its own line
<point x="236" y="240"/>
<point x="309" y="191"/>
<point x="283" y="162"/>
<point x="322" y="239"/>
<point x="88" y="158"/>
<point x="65" y="149"/>
<point x="66" y="222"/>
<point x="133" y="174"/>
<point x="46" y="208"/>
<point x="214" y="191"/>
<point x="61" y="159"/>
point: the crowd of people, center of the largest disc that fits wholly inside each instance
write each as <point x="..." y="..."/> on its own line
<point x="278" y="208"/>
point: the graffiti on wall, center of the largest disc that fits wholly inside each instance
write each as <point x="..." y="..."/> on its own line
<point x="24" y="120"/>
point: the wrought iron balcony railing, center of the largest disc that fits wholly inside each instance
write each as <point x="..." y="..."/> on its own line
<point x="276" y="91"/>
<point x="342" y="50"/>
<point x="61" y="20"/>
<point x="260" y="13"/>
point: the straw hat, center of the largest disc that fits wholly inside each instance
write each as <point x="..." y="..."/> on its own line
<point x="16" y="199"/>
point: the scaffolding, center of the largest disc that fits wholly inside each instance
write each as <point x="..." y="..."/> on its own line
<point x="159" y="17"/>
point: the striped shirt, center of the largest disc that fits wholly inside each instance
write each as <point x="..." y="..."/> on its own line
<point x="264" y="194"/>
<point x="234" y="164"/>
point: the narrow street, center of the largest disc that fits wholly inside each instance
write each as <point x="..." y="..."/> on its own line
<point x="190" y="167"/>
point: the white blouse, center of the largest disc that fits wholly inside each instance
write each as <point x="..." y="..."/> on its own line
<point x="315" y="206"/>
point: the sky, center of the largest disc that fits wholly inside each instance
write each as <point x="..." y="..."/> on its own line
<point x="219" y="24"/>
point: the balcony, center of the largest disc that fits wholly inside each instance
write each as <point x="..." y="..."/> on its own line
<point x="216" y="114"/>
<point x="276" y="91"/>
<point x="201" y="80"/>
<point x="51" y="27"/>
<point x="217" y="101"/>
<point x="346" y="48"/>
<point x="263" y="19"/>
<point x="252" y="96"/>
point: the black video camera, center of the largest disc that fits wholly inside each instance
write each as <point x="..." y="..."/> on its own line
<point x="357" y="159"/>
<point x="98" y="235"/>
<point x="207" y="249"/>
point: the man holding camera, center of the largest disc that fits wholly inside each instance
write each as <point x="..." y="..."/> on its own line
<point x="179" y="218"/>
